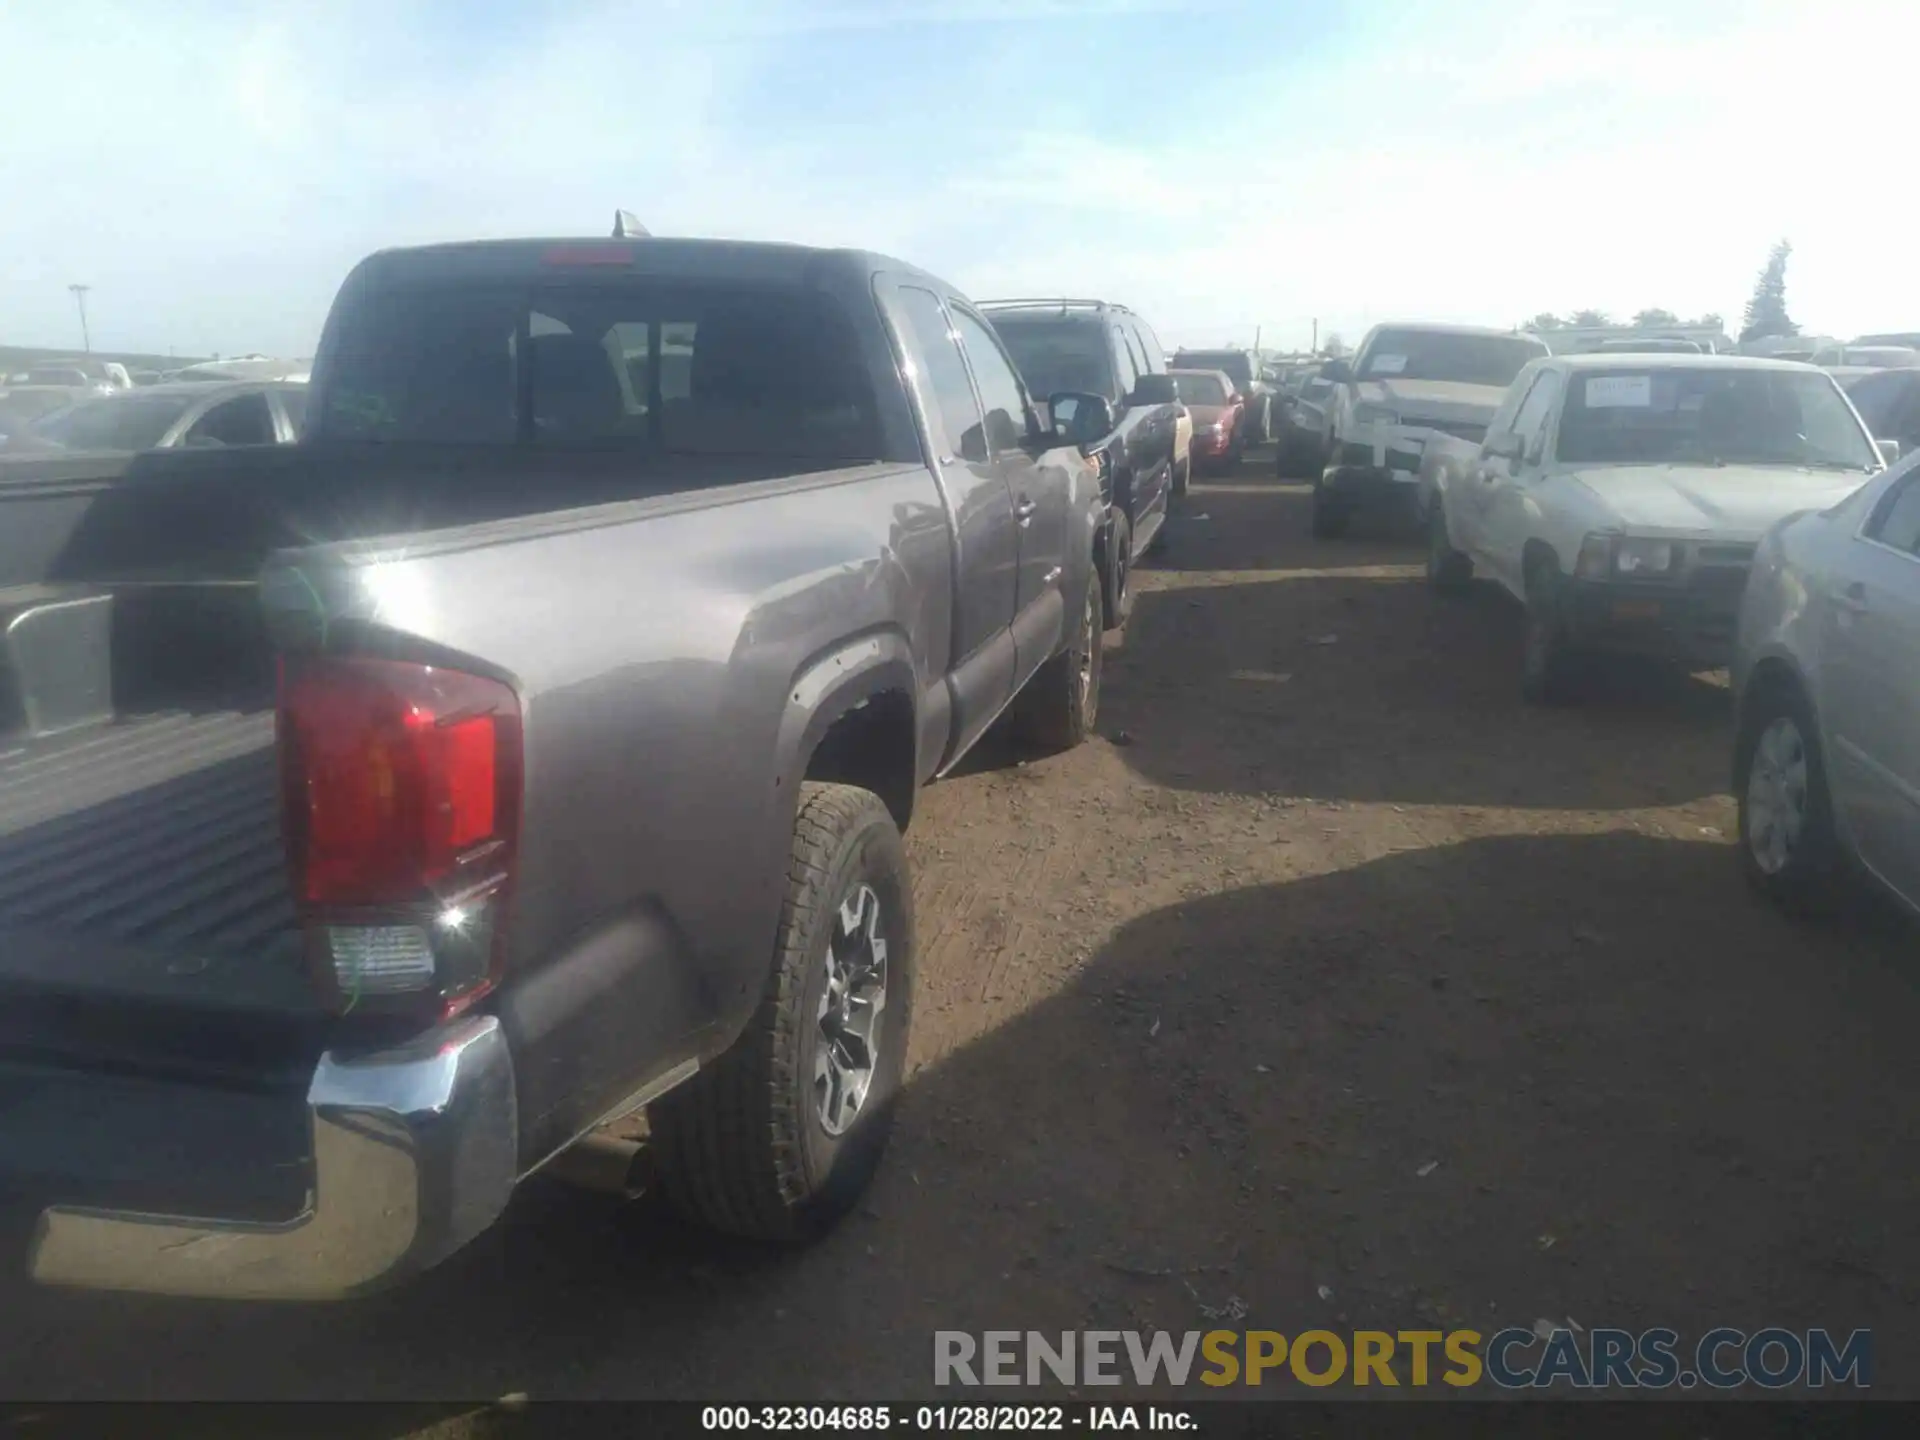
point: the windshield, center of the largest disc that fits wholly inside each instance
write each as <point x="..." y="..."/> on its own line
<point x="113" y="422"/>
<point x="1199" y="389"/>
<point x="1233" y="362"/>
<point x="1055" y="355"/>
<point x="17" y="407"/>
<point x="1687" y="416"/>
<point x="768" y="370"/>
<point x="1437" y="355"/>
<point x="1881" y="397"/>
<point x="1880" y="357"/>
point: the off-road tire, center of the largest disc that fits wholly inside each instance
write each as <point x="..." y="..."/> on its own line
<point x="1061" y="703"/>
<point x="1811" y="882"/>
<point x="741" y="1147"/>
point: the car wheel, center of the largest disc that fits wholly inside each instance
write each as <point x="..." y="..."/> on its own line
<point x="1182" y="473"/>
<point x="1330" y="516"/>
<point x="1117" y="571"/>
<point x="1062" y="701"/>
<point x="1547" y="661"/>
<point x="1448" y="571"/>
<point x="779" y="1137"/>
<point x="1787" y="846"/>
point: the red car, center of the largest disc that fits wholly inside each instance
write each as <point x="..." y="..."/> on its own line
<point x="1215" y="407"/>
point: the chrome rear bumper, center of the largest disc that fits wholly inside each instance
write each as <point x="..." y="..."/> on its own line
<point x="415" y="1152"/>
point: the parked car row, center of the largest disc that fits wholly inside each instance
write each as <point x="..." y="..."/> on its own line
<point x="1714" y="511"/>
<point x="160" y="417"/>
<point x="417" y="883"/>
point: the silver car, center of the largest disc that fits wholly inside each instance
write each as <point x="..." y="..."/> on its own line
<point x="160" y="417"/>
<point x="1826" y="672"/>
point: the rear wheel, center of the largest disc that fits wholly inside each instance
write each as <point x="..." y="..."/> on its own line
<point x="1787" y="847"/>
<point x="779" y="1137"/>
<point x="1117" y="573"/>
<point x="1182" y="473"/>
<point x="1062" y="701"/>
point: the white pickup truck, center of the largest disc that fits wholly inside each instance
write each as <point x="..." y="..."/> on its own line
<point x="1408" y="385"/>
<point x="1620" y="499"/>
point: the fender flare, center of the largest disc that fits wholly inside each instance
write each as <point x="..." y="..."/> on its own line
<point x="831" y="686"/>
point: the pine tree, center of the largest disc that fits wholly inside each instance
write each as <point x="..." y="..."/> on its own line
<point x="1767" y="311"/>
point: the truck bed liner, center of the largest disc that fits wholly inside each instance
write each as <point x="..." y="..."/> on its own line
<point x="156" y="832"/>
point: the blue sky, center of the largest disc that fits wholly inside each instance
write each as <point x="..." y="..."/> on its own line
<point x="213" y="169"/>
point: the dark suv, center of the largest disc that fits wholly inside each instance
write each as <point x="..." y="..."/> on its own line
<point x="1256" y="410"/>
<point x="1101" y="372"/>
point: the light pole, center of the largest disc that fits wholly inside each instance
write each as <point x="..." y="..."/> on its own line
<point x="80" y="299"/>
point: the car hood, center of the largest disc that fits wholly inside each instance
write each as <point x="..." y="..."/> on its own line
<point x="1732" y="501"/>
<point x="1436" y="399"/>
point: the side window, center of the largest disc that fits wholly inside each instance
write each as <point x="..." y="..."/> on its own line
<point x="1001" y="394"/>
<point x="1532" y="419"/>
<point x="245" y="420"/>
<point x="938" y="348"/>
<point x="1126" y="362"/>
<point x="1898" y="523"/>
<point x="293" y="401"/>
<point x="1151" y="353"/>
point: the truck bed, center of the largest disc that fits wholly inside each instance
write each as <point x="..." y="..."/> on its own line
<point x="145" y="914"/>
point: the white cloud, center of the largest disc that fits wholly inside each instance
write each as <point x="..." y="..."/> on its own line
<point x="213" y="170"/>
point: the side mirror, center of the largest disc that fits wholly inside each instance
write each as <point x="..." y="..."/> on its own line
<point x="1339" y="372"/>
<point x="1154" y="390"/>
<point x="1079" y="419"/>
<point x="1505" y="446"/>
<point x="1889" y="450"/>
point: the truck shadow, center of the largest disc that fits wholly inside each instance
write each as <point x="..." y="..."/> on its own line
<point x="1369" y="688"/>
<point x="1524" y="1076"/>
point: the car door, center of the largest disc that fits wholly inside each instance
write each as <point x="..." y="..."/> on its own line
<point x="980" y="506"/>
<point x="1496" y="510"/>
<point x="1158" y="426"/>
<point x="1039" y="505"/>
<point x="1870" y="677"/>
<point x="1134" y="437"/>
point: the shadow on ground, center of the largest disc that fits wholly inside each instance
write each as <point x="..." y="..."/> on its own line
<point x="1370" y="688"/>
<point x="1522" y="1077"/>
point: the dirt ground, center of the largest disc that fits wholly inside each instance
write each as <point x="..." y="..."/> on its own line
<point x="1330" y="978"/>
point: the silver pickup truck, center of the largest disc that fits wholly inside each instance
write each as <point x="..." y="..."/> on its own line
<point x="528" y="747"/>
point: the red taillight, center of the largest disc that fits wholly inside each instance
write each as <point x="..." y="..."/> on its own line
<point x="402" y="790"/>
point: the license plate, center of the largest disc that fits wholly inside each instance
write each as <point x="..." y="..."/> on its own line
<point x="1636" y="609"/>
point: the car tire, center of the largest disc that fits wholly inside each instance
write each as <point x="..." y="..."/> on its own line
<point x="1548" y="663"/>
<point x="748" y="1146"/>
<point x="1448" y="571"/>
<point x="1062" y="702"/>
<point x="1788" y="849"/>
<point x="1182" y="474"/>
<point x="1330" y="517"/>
<point x="1116" y="570"/>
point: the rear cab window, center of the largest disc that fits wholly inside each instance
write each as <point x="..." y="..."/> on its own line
<point x="648" y="365"/>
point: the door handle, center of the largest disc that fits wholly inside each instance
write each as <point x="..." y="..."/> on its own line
<point x="1023" y="512"/>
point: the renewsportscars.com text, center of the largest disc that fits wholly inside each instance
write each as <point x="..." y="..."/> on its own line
<point x="1599" y="1359"/>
